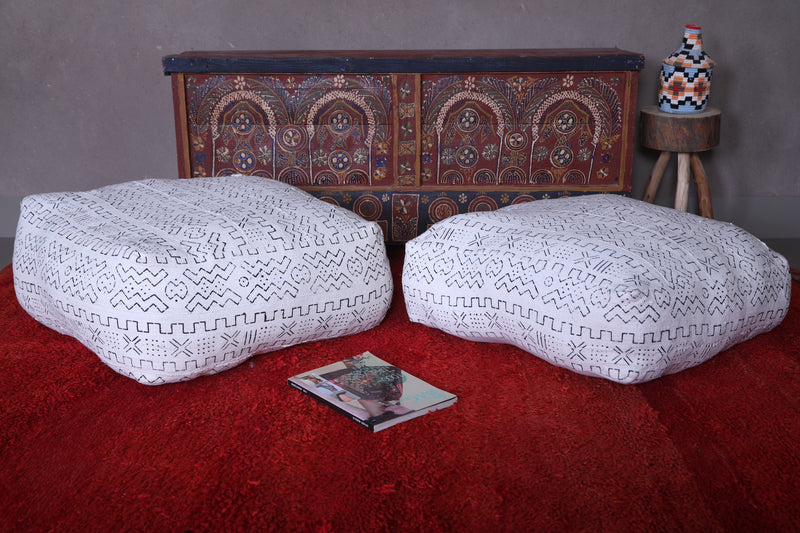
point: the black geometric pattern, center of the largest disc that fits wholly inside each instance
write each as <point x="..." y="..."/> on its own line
<point x="603" y="285"/>
<point x="684" y="89"/>
<point x="167" y="280"/>
<point x="686" y="76"/>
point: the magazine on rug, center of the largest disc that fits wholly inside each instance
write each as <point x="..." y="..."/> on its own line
<point x="371" y="391"/>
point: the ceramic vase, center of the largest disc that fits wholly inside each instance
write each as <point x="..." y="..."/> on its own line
<point x="686" y="76"/>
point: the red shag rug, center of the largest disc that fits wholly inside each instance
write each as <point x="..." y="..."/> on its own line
<point x="528" y="446"/>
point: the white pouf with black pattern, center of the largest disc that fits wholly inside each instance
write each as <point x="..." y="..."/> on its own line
<point x="603" y="285"/>
<point x="167" y="280"/>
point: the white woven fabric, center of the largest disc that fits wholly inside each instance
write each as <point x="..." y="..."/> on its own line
<point x="602" y="285"/>
<point x="167" y="280"/>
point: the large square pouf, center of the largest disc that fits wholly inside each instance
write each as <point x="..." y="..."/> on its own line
<point x="167" y="280"/>
<point x="603" y="285"/>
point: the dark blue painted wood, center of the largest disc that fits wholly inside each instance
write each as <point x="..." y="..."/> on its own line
<point x="386" y="61"/>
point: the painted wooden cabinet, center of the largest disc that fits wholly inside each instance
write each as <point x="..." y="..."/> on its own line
<point x="408" y="138"/>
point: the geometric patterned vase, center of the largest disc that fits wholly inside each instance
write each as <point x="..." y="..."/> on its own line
<point x="686" y="76"/>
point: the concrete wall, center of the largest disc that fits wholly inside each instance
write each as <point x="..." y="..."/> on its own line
<point x="84" y="101"/>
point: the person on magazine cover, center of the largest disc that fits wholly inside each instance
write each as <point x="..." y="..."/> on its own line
<point x="378" y="388"/>
<point x="337" y="395"/>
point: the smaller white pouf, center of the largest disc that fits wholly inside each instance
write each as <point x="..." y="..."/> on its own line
<point x="167" y="280"/>
<point x="603" y="285"/>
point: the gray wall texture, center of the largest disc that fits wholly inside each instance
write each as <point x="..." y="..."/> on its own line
<point x="85" y="103"/>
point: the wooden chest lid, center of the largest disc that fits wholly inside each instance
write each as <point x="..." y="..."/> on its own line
<point x="424" y="61"/>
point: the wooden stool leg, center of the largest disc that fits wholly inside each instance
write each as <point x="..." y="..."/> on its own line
<point x="655" y="177"/>
<point x="703" y="188"/>
<point x="682" y="190"/>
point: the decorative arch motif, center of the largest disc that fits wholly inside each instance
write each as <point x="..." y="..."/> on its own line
<point x="472" y="96"/>
<point x="463" y="117"/>
<point x="572" y="130"/>
<point x="227" y="116"/>
<point x="242" y="96"/>
<point x="574" y="96"/>
<point x="347" y="96"/>
<point x="321" y="120"/>
<point x="433" y="144"/>
<point x="553" y="123"/>
<point x="309" y="129"/>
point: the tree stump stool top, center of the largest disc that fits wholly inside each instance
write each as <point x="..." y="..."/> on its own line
<point x="682" y="133"/>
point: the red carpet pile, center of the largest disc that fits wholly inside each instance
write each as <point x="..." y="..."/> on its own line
<point x="528" y="446"/>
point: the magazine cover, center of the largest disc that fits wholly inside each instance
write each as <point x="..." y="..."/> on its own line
<point x="372" y="392"/>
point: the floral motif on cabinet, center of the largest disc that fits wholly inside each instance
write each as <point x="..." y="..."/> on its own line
<point x="408" y="149"/>
<point x="307" y="130"/>
<point x="520" y="129"/>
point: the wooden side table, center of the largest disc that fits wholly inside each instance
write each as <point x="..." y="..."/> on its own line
<point x="684" y="134"/>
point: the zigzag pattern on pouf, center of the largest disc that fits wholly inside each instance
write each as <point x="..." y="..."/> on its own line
<point x="167" y="280"/>
<point x="603" y="285"/>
